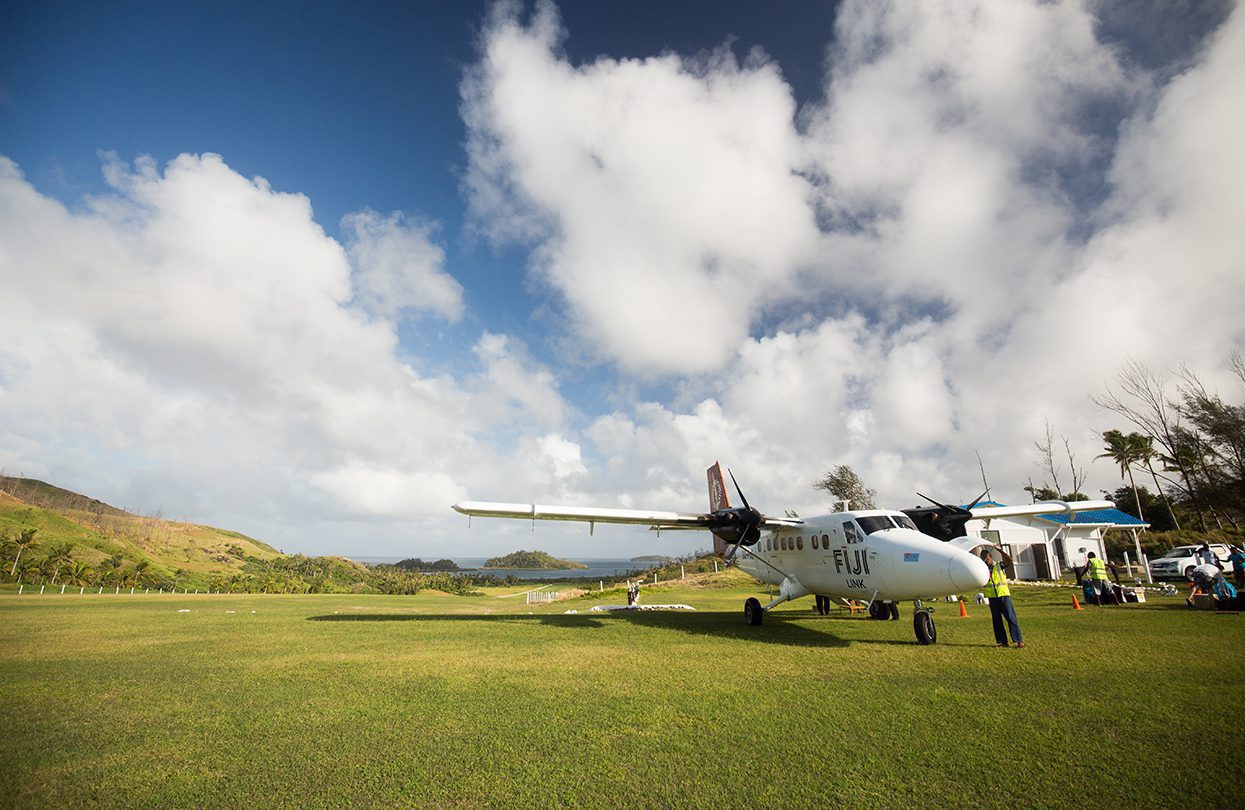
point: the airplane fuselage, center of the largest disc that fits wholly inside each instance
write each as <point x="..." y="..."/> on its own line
<point x="862" y="555"/>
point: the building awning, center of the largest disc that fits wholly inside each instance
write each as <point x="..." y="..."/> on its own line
<point x="1098" y="517"/>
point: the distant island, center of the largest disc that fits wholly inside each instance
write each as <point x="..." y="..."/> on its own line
<point x="416" y="564"/>
<point x="652" y="558"/>
<point x="531" y="560"/>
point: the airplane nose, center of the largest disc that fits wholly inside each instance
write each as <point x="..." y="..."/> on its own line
<point x="967" y="572"/>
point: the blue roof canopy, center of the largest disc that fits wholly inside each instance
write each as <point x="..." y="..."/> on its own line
<point x="1091" y="517"/>
<point x="1098" y="516"/>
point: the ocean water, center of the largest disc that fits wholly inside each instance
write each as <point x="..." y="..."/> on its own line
<point x="597" y="569"/>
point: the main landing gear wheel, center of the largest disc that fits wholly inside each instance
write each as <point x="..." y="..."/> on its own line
<point x="923" y="623"/>
<point x="878" y="610"/>
<point x="753" y="614"/>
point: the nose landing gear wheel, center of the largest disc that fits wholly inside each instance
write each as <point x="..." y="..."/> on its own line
<point x="879" y="611"/>
<point x="923" y="623"/>
<point x="753" y="614"/>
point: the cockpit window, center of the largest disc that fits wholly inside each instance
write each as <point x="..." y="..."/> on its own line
<point x="876" y="523"/>
<point x="905" y="522"/>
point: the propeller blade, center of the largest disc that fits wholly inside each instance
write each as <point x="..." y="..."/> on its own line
<point x="978" y="500"/>
<point x="934" y="502"/>
<point x="737" y="489"/>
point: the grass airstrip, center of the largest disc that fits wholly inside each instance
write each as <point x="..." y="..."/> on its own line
<point x="435" y="700"/>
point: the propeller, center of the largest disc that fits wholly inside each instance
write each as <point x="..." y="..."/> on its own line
<point x="943" y="521"/>
<point x="737" y="526"/>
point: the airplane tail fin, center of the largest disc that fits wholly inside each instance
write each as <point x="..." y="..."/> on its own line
<point x="717" y="501"/>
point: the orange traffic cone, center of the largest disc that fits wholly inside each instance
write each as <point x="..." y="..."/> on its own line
<point x="963" y="610"/>
<point x="1076" y="605"/>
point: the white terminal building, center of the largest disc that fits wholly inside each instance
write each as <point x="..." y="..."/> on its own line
<point x="1044" y="546"/>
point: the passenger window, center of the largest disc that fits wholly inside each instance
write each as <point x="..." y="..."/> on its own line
<point x="799" y="542"/>
<point x="784" y="544"/>
<point x="825" y="541"/>
<point x="814" y="542"/>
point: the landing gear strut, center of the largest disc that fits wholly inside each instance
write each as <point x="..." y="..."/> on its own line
<point x="923" y="624"/>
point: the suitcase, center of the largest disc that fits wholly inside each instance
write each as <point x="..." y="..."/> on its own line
<point x="1091" y="595"/>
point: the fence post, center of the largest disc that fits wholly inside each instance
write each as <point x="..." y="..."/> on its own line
<point x="100" y="591"/>
<point x="62" y="590"/>
<point x="21" y="588"/>
<point x="1145" y="561"/>
<point x="41" y="587"/>
<point x="82" y="590"/>
<point x="601" y="586"/>
<point x="1128" y="566"/>
<point x="682" y="573"/>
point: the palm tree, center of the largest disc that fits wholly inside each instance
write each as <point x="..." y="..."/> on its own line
<point x="58" y="557"/>
<point x="1125" y="451"/>
<point x="25" y="540"/>
<point x="1146" y="454"/>
<point x="78" y="572"/>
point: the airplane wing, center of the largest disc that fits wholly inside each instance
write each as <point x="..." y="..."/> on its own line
<point x="1041" y="508"/>
<point x="592" y="514"/>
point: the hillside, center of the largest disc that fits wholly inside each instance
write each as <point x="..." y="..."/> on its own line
<point x="106" y="538"/>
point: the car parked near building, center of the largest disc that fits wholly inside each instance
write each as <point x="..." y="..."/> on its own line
<point x="1181" y="560"/>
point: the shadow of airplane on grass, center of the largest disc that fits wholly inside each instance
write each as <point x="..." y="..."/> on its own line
<point x="778" y="629"/>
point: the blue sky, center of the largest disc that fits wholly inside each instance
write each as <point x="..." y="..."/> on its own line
<point x="577" y="252"/>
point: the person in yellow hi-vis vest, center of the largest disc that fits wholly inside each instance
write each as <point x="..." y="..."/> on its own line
<point x="1098" y="578"/>
<point x="1000" y="596"/>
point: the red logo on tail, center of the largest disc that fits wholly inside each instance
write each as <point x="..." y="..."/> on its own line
<point x="717" y="501"/>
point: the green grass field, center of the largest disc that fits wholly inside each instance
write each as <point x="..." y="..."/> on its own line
<point x="437" y="700"/>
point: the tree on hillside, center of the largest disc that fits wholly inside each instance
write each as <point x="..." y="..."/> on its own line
<point x="78" y="572"/>
<point x="845" y="485"/>
<point x="25" y="541"/>
<point x="1125" y="450"/>
<point x="58" y="557"/>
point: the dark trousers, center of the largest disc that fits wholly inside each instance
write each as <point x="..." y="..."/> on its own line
<point x="1001" y="609"/>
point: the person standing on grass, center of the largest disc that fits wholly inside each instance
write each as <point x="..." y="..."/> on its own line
<point x="1205" y="556"/>
<point x="1000" y="596"/>
<point x="1098" y="576"/>
<point x="1237" y="558"/>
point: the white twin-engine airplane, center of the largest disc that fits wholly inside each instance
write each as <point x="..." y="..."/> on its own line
<point x="877" y="555"/>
